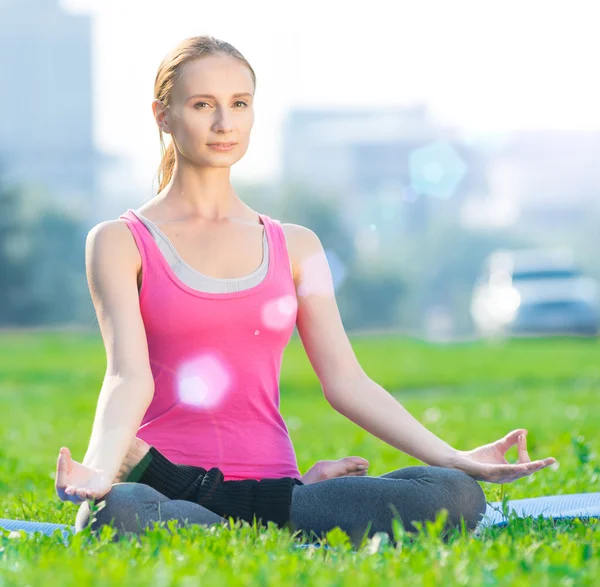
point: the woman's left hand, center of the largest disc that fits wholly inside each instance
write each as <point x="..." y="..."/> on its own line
<point x="488" y="463"/>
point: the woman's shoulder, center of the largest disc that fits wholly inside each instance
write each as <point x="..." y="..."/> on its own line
<point x="111" y="230"/>
<point x="301" y="237"/>
<point x="113" y="237"/>
<point x="302" y="243"/>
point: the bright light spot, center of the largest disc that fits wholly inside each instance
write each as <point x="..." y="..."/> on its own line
<point x="203" y="382"/>
<point x="572" y="412"/>
<point x="431" y="415"/>
<point x="280" y="313"/>
<point x="500" y="278"/>
<point x="504" y="303"/>
<point x="316" y="276"/>
<point x="294" y="423"/>
<point x="436" y="169"/>
<point x="256" y="332"/>
<point x="433" y="172"/>
<point x="498" y="303"/>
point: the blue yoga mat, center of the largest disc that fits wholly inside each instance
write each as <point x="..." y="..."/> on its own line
<point x="576" y="505"/>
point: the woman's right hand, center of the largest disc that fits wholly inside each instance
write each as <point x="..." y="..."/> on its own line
<point x="76" y="482"/>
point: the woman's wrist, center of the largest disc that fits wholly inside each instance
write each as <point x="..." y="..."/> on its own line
<point x="463" y="461"/>
<point x="456" y="460"/>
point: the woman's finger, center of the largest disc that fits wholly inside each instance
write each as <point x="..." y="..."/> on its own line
<point x="511" y="439"/>
<point x="81" y="493"/>
<point x="61" y="470"/>
<point x="522" y="449"/>
<point x="509" y="473"/>
<point x="71" y="495"/>
<point x="532" y="466"/>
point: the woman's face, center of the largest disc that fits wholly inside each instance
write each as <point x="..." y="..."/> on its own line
<point x="195" y="121"/>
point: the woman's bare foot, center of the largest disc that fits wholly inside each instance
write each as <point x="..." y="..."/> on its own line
<point x="137" y="451"/>
<point x="346" y="467"/>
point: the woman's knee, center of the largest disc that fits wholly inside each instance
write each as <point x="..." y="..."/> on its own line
<point x="121" y="506"/>
<point x="465" y="496"/>
<point x="133" y="507"/>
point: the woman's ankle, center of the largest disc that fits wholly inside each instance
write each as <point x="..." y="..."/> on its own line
<point x="137" y="451"/>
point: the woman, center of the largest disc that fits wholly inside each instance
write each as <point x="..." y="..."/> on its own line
<point x="194" y="350"/>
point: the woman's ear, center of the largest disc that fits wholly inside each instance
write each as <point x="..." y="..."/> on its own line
<point x="159" y="110"/>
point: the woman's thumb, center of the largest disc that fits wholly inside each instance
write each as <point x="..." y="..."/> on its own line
<point x="64" y="456"/>
<point x="62" y="467"/>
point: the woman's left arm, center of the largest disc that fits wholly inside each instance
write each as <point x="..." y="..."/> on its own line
<point x="350" y="391"/>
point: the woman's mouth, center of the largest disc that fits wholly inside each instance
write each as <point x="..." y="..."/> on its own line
<point x="222" y="146"/>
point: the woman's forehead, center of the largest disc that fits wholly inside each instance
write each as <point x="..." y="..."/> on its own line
<point x="220" y="76"/>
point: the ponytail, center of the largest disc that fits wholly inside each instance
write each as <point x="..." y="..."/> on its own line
<point x="167" y="163"/>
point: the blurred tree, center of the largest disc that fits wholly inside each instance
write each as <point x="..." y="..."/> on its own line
<point x="15" y="255"/>
<point x="367" y="297"/>
<point x="42" y="266"/>
<point x="369" y="300"/>
<point x="320" y="213"/>
<point x="58" y="267"/>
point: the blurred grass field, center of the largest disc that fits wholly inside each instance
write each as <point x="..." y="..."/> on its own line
<point x="468" y="394"/>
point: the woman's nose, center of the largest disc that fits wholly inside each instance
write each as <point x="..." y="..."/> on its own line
<point x="223" y="122"/>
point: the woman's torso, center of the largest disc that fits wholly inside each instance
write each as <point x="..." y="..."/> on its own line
<point x="217" y="323"/>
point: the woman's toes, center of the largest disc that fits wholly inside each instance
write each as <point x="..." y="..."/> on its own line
<point x="356" y="474"/>
<point x="346" y="466"/>
<point x="356" y="464"/>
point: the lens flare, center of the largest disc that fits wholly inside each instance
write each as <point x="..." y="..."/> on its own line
<point x="280" y="313"/>
<point x="203" y="381"/>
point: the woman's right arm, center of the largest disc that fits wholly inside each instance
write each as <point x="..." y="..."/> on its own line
<point x="112" y="263"/>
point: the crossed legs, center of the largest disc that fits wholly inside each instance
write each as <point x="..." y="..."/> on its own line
<point x="350" y="502"/>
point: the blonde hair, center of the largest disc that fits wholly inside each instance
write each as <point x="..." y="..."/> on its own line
<point x="168" y="74"/>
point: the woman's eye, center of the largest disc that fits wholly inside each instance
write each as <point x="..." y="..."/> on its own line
<point x="238" y="102"/>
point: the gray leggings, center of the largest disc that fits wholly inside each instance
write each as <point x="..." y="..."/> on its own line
<point x="417" y="493"/>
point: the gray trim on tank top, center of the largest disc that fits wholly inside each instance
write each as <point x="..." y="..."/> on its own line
<point x="197" y="280"/>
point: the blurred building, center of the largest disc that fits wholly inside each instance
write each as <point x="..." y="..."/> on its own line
<point x="542" y="179"/>
<point x="46" y="135"/>
<point x="363" y="159"/>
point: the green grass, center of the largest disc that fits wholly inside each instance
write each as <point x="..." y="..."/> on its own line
<point x="468" y="394"/>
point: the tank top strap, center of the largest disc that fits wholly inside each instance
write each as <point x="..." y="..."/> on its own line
<point x="143" y="239"/>
<point x="278" y="245"/>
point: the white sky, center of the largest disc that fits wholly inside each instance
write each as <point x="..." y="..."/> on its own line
<point x="481" y="65"/>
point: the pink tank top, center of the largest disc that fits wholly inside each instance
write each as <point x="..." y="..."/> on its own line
<point x="216" y="360"/>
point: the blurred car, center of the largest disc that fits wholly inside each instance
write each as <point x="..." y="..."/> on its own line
<point x="535" y="291"/>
